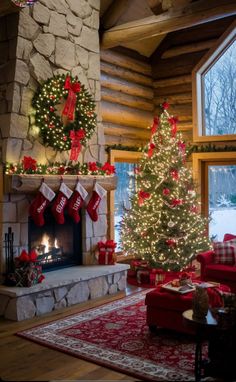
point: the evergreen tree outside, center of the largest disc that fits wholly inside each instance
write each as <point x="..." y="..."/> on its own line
<point x="164" y="225"/>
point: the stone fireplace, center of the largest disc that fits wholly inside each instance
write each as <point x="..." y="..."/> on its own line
<point x="52" y="37"/>
<point x="37" y="43"/>
<point x="57" y="245"/>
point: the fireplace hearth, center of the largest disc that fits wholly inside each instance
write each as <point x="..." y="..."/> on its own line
<point x="57" y="245"/>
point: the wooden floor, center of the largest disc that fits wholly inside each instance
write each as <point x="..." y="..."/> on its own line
<point x="22" y="360"/>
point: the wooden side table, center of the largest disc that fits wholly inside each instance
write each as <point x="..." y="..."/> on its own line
<point x="204" y="329"/>
<point x="220" y="333"/>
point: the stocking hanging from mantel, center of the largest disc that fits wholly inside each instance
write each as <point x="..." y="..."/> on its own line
<point x="98" y="193"/>
<point x="60" y="202"/>
<point x="76" y="202"/>
<point x="36" y="210"/>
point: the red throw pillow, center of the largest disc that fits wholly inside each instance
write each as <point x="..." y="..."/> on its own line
<point x="229" y="236"/>
<point x="225" y="253"/>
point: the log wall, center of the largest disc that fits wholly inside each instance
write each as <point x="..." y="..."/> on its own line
<point x="133" y="87"/>
<point x="127" y="98"/>
<point x="172" y="66"/>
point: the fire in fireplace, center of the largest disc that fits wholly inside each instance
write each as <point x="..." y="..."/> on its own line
<point x="57" y="245"/>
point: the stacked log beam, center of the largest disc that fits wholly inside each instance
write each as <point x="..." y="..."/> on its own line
<point x="127" y="99"/>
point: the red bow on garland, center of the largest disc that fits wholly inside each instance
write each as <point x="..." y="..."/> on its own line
<point x="69" y="109"/>
<point x="29" y="163"/>
<point x="76" y="137"/>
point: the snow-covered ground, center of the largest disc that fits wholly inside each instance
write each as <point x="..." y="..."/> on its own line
<point x="223" y="221"/>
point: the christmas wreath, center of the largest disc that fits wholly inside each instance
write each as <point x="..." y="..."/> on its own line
<point x="64" y="114"/>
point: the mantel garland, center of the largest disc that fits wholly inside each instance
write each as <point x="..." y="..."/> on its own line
<point x="29" y="165"/>
<point x="64" y="113"/>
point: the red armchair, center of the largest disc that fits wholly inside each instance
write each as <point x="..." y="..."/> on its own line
<point x="222" y="273"/>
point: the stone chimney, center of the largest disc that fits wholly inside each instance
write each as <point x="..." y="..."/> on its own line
<point x="52" y="37"/>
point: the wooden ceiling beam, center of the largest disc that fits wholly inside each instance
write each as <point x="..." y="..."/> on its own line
<point x="196" y="13"/>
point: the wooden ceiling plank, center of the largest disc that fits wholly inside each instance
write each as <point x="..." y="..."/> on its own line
<point x="189" y="48"/>
<point x="196" y="13"/>
<point x="113" y="13"/>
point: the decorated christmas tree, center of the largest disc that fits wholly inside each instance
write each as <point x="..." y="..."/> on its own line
<point x="164" y="225"/>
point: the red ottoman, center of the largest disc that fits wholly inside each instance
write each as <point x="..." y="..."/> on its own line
<point x="164" y="308"/>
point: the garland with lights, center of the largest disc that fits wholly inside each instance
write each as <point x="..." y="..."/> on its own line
<point x="64" y="114"/>
<point x="29" y="165"/>
<point x="23" y="3"/>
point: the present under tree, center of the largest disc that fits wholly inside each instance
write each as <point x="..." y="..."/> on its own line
<point x="164" y="225"/>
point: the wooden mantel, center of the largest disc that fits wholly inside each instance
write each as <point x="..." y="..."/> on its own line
<point x="26" y="183"/>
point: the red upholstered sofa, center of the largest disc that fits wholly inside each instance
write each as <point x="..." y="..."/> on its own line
<point x="222" y="273"/>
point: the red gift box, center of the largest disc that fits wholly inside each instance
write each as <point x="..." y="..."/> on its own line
<point x="105" y="258"/>
<point x="106" y="255"/>
<point x="137" y="264"/>
<point x="157" y="276"/>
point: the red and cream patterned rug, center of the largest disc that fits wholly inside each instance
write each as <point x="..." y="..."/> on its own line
<point x="115" y="335"/>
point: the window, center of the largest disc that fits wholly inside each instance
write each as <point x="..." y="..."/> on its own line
<point x="125" y="163"/>
<point x="214" y="92"/>
<point x="215" y="174"/>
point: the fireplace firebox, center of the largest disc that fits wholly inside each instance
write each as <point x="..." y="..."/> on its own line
<point x="57" y="245"/>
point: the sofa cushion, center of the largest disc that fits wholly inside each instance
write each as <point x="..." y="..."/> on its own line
<point x="220" y="272"/>
<point x="229" y="236"/>
<point x="225" y="253"/>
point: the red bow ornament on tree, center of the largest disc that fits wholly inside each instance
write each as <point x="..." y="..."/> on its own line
<point x="142" y="195"/>
<point x="76" y="137"/>
<point x="151" y="149"/>
<point x="69" y="108"/>
<point x="154" y="125"/>
<point x="173" y="121"/>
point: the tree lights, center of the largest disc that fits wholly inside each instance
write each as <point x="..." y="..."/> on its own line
<point x="164" y="225"/>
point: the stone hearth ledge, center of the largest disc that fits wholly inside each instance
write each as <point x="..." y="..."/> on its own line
<point x="62" y="288"/>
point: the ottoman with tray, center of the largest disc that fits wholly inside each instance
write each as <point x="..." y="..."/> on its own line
<point x="165" y="307"/>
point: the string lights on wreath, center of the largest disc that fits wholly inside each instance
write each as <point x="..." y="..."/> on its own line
<point x="64" y="114"/>
<point x="23" y="3"/>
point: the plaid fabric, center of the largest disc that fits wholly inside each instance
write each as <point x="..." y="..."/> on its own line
<point x="225" y="253"/>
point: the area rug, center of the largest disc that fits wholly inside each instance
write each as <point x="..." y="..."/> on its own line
<point x="115" y="335"/>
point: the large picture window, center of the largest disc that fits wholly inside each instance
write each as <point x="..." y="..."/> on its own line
<point x="125" y="163"/>
<point x="215" y="175"/>
<point x="214" y="92"/>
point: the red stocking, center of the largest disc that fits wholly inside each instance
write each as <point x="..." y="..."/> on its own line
<point x="39" y="204"/>
<point x="76" y="202"/>
<point x="60" y="203"/>
<point x="97" y="195"/>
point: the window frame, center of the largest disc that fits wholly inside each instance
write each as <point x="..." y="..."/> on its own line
<point x="197" y="87"/>
<point x="119" y="156"/>
<point x="199" y="163"/>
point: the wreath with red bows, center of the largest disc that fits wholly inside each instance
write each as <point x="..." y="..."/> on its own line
<point x="64" y="114"/>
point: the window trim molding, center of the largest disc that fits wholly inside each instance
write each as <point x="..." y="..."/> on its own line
<point x="118" y="156"/>
<point x="198" y="159"/>
<point x="197" y="95"/>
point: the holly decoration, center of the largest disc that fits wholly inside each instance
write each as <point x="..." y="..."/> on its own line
<point x="64" y="113"/>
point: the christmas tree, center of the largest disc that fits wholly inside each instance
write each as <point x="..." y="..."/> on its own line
<point x="164" y="225"/>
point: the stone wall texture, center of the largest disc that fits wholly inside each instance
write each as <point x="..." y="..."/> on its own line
<point x="52" y="37"/>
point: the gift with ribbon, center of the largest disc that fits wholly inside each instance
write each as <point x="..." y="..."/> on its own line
<point x="28" y="270"/>
<point x="106" y="252"/>
<point x="76" y="137"/>
<point x="69" y="108"/>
